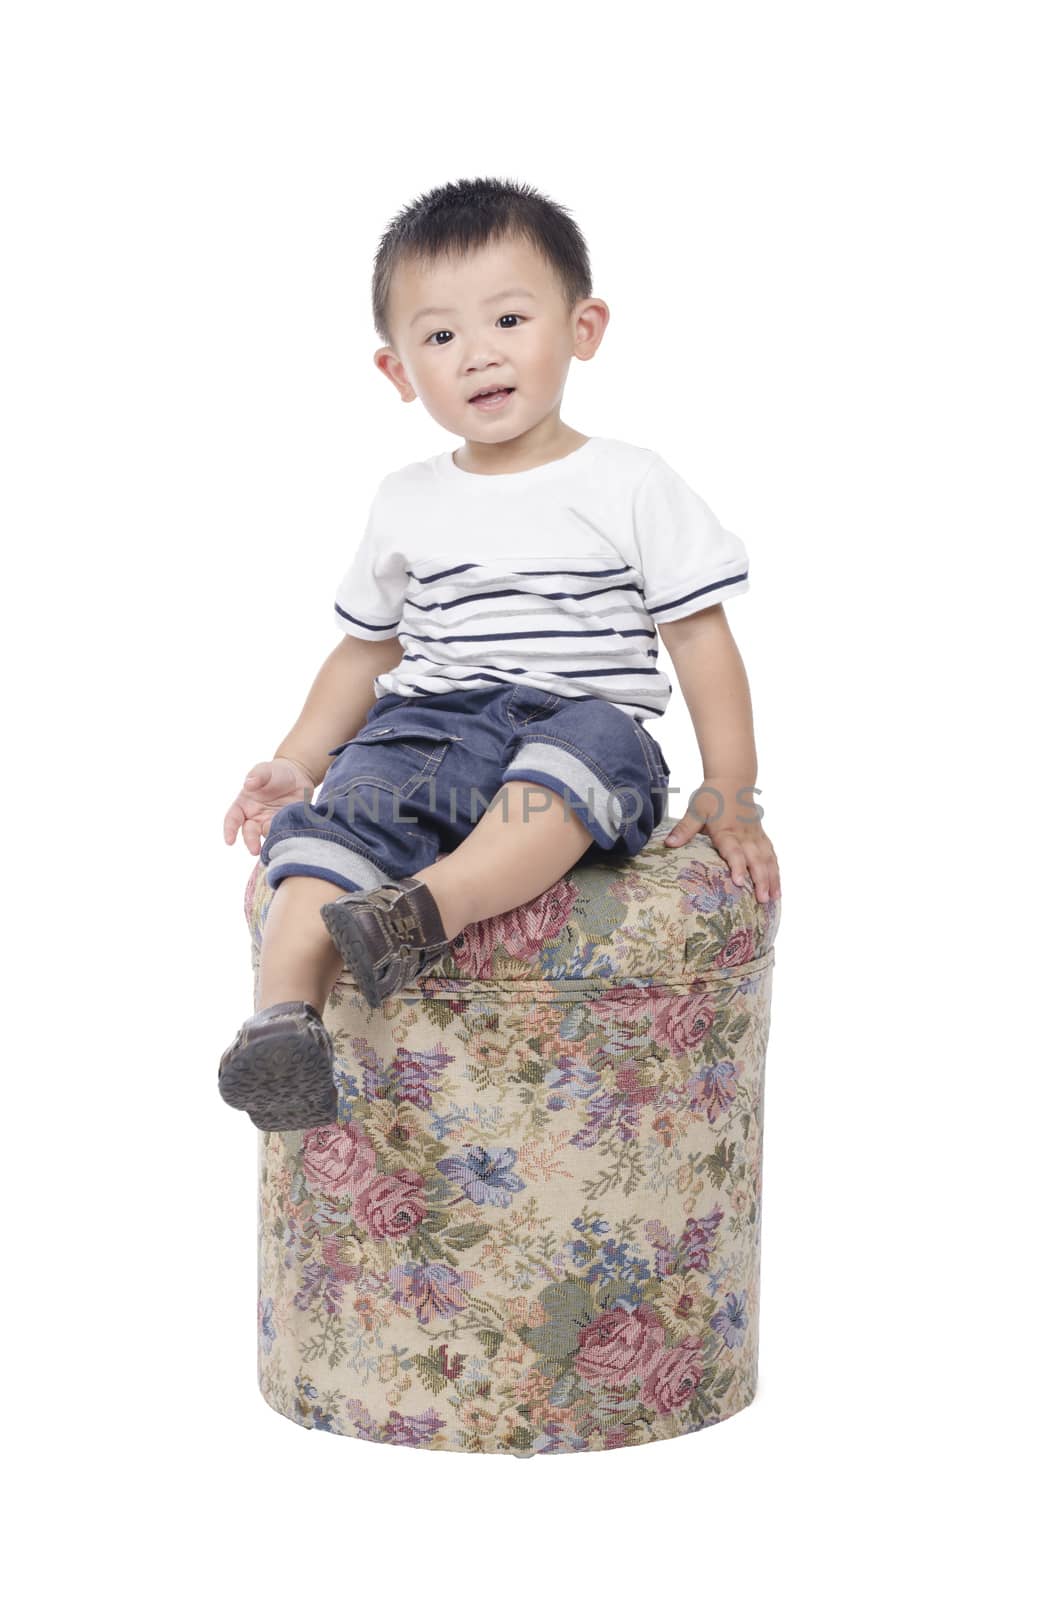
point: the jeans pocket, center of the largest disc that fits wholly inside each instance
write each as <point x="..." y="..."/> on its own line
<point x="526" y="704"/>
<point x="404" y="725"/>
<point x="397" y="755"/>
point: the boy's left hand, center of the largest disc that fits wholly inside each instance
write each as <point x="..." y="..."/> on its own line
<point x="744" y="846"/>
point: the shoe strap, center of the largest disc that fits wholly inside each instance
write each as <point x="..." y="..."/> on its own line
<point x="422" y="923"/>
<point x="287" y="1008"/>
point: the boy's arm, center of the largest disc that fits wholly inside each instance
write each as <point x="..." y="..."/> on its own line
<point x="711" y="673"/>
<point x="338" y="702"/>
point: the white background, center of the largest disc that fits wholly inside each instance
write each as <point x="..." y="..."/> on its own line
<point x="827" y="236"/>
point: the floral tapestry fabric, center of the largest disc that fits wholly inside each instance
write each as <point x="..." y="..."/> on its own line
<point x="534" y="1227"/>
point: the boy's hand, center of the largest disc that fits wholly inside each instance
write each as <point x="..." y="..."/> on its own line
<point x="744" y="846"/>
<point x="266" y="787"/>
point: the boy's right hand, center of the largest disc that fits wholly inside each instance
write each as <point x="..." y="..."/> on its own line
<point x="266" y="788"/>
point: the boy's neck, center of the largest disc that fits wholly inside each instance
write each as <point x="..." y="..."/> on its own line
<point x="549" y="440"/>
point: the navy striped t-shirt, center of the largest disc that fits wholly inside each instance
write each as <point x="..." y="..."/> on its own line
<point x="556" y="576"/>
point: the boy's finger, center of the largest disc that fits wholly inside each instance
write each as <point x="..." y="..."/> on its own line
<point x="737" y="863"/>
<point x="233" y="821"/>
<point x="760" y="875"/>
<point x="751" y="868"/>
<point x="683" y="829"/>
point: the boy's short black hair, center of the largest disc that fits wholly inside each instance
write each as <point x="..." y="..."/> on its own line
<point x="462" y="216"/>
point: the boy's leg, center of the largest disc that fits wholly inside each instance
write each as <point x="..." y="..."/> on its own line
<point x="279" y="1066"/>
<point x="522" y="845"/>
<point x="298" y="961"/>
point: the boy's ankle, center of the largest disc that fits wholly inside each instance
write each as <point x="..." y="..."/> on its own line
<point x="283" y="993"/>
<point x="452" y="906"/>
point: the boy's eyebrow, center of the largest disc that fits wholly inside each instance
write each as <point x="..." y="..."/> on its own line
<point x="447" y="311"/>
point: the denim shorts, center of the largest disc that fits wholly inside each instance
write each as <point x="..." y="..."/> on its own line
<point x="412" y="784"/>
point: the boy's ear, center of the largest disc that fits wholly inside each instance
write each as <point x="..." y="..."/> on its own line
<point x="389" y="363"/>
<point x="588" y="322"/>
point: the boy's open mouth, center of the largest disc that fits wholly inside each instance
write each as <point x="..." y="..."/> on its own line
<point x="491" y="399"/>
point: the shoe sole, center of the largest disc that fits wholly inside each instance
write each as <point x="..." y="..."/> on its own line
<point x="296" y="1119"/>
<point x="281" y="1083"/>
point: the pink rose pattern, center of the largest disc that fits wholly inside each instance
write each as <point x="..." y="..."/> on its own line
<point x="534" y="1227"/>
<point x="619" y="1343"/>
<point x="338" y="1159"/>
<point x="520" y="934"/>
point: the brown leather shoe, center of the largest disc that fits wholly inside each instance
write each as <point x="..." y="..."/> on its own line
<point x="387" y="936"/>
<point x="278" y="1068"/>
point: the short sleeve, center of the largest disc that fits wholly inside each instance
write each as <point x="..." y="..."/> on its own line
<point x="369" y="599"/>
<point x="687" y="559"/>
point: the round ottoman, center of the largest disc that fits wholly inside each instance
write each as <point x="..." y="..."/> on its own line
<point x="535" y="1226"/>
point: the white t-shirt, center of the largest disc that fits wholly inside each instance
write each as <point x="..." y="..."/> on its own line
<point x="554" y="577"/>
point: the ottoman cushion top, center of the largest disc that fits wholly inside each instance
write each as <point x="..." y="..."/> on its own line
<point x="666" y="915"/>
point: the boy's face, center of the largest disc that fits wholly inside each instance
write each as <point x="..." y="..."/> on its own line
<point x="494" y="317"/>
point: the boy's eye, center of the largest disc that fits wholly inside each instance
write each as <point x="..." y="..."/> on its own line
<point x="445" y="334"/>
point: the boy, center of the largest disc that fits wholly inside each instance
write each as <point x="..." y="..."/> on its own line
<point x="501" y="619"/>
